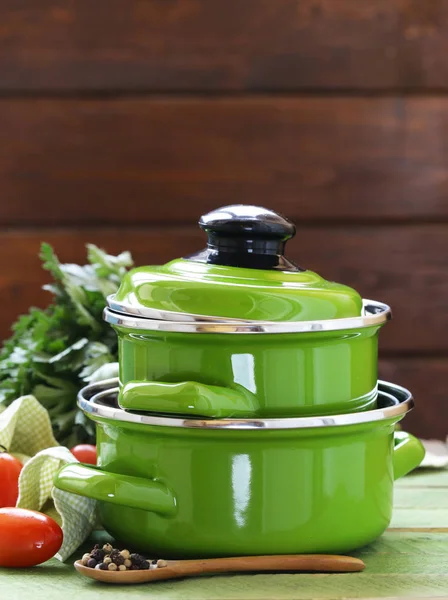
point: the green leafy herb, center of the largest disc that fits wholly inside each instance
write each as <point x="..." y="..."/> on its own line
<point x="53" y="352"/>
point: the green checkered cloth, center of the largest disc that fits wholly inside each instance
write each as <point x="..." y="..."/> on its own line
<point x="25" y="430"/>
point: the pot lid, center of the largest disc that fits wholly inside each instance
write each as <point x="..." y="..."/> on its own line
<point x="242" y="274"/>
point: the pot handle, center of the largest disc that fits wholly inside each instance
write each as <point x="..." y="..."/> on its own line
<point x="124" y="490"/>
<point x="188" y="398"/>
<point x="408" y="453"/>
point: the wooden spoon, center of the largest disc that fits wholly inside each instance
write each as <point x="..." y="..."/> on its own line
<point x="189" y="568"/>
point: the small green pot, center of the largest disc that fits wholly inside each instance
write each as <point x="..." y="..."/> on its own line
<point x="238" y="331"/>
<point x="186" y="488"/>
<point x="236" y="376"/>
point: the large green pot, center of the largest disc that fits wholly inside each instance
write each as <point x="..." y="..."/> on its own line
<point x="187" y="488"/>
<point x="239" y="331"/>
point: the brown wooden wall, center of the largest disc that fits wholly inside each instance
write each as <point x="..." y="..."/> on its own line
<point x="122" y="121"/>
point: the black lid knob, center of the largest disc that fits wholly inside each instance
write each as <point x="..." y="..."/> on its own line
<point x="246" y="236"/>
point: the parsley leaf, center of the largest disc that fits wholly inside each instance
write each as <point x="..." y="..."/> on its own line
<point x="53" y="352"/>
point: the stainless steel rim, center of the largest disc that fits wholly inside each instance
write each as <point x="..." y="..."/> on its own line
<point x="165" y="315"/>
<point x="90" y="396"/>
<point x="374" y="314"/>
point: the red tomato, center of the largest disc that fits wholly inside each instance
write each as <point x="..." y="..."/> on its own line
<point x="27" y="537"/>
<point x="85" y="453"/>
<point x="10" y="468"/>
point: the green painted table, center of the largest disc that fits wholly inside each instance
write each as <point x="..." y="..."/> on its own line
<point x="409" y="561"/>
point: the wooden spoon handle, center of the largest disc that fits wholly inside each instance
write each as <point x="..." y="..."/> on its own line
<point x="293" y="562"/>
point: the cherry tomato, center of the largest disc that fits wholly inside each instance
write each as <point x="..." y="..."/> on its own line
<point x="27" y="537"/>
<point x="85" y="453"/>
<point x="10" y="468"/>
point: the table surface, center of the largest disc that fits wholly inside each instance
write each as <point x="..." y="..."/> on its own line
<point x="409" y="561"/>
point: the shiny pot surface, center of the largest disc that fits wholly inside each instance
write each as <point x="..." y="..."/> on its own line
<point x="188" y="488"/>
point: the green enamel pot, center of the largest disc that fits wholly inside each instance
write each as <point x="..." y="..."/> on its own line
<point x="176" y="487"/>
<point x="203" y="372"/>
<point x="239" y="331"/>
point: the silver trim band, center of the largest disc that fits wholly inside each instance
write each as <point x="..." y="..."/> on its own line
<point x="89" y="399"/>
<point x="375" y="314"/>
<point x="165" y="315"/>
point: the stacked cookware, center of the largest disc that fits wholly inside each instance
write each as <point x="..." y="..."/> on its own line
<point x="247" y="417"/>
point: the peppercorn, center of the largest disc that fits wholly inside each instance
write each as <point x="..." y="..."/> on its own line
<point x="91" y="563"/>
<point x="97" y="553"/>
<point x="128" y="563"/>
<point x="112" y="566"/>
<point x="122" y="568"/>
<point x="107" y="548"/>
<point x="116" y="557"/>
<point x="107" y="560"/>
<point x="85" y="558"/>
<point x="135" y="568"/>
<point x="104" y="566"/>
<point x="161" y="563"/>
<point x="137" y="559"/>
<point x="125" y="554"/>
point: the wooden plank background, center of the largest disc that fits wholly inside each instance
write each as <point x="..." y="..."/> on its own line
<point x="122" y="121"/>
<point x="217" y="45"/>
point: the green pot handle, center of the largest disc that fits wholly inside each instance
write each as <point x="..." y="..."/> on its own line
<point x="188" y="398"/>
<point x="408" y="453"/>
<point x="124" y="490"/>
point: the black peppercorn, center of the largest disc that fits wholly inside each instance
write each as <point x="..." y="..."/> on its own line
<point x="97" y="553"/>
<point x="116" y="557"/>
<point x="91" y="563"/>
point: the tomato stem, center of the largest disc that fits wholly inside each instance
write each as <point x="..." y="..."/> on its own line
<point x="3" y="448"/>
